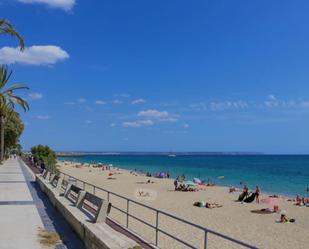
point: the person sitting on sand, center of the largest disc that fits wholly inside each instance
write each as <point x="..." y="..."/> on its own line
<point x="209" y="183"/>
<point x="192" y="189"/>
<point x="232" y="189"/>
<point x="284" y="219"/>
<point x="181" y="187"/>
<point x="245" y="191"/>
<point x="299" y="201"/>
<point x="185" y="188"/>
<point x="257" y="194"/>
<point x="212" y="205"/>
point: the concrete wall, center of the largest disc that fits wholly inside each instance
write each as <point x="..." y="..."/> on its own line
<point x="94" y="235"/>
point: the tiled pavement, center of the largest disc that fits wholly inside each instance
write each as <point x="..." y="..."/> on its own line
<point x="24" y="209"/>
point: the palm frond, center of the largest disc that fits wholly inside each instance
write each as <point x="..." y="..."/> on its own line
<point x="5" y="75"/>
<point x="20" y="101"/>
<point x="7" y="95"/>
<point x="15" y="87"/>
<point x="7" y="28"/>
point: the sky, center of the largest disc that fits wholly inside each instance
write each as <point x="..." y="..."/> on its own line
<point x="172" y="75"/>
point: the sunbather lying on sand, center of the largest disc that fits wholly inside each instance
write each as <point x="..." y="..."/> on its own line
<point x="212" y="205"/>
<point x="206" y="204"/>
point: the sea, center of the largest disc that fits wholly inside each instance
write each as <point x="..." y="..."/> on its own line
<point x="277" y="174"/>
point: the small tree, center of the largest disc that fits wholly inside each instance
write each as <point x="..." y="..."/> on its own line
<point x="8" y="100"/>
<point x="13" y="129"/>
<point x="44" y="154"/>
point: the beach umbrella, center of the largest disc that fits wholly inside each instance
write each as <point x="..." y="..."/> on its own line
<point x="197" y="181"/>
<point x="189" y="183"/>
<point x="271" y="201"/>
<point x="162" y="174"/>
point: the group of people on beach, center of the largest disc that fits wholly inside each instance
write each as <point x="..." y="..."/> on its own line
<point x="245" y="193"/>
<point x="301" y="201"/>
<point x="183" y="187"/>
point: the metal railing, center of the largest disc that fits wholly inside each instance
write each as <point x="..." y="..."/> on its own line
<point x="157" y="213"/>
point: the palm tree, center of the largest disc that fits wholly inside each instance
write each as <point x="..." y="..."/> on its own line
<point x="7" y="101"/>
<point x="7" y="29"/>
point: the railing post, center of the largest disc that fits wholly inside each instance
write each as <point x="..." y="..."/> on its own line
<point x="205" y="240"/>
<point x="107" y="196"/>
<point x="128" y="213"/>
<point x="93" y="189"/>
<point x="157" y="225"/>
<point x="83" y="185"/>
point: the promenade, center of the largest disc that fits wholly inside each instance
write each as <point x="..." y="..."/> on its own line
<point x="25" y="211"/>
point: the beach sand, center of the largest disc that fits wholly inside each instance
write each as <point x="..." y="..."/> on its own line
<point x="233" y="219"/>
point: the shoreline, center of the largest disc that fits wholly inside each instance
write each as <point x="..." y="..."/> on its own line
<point x="268" y="193"/>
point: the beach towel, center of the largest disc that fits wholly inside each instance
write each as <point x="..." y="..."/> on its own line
<point x="250" y="198"/>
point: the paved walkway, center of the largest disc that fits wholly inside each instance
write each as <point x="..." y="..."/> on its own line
<point x="24" y="209"/>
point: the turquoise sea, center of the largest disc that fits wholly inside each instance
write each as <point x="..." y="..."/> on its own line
<point x="280" y="174"/>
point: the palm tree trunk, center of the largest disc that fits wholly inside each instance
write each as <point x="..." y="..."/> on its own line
<point x="2" y="137"/>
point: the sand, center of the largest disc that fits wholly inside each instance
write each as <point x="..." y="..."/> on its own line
<point x="233" y="219"/>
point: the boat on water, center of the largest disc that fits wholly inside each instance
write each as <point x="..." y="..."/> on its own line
<point x="172" y="155"/>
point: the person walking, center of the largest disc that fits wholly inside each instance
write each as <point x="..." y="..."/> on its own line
<point x="257" y="194"/>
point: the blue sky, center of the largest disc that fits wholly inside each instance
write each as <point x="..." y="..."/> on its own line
<point x="163" y="75"/>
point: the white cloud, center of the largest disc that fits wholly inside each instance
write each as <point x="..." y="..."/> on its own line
<point x="219" y="106"/>
<point x="150" y="117"/>
<point x="43" y="117"/>
<point x="152" y="113"/>
<point x="62" y="4"/>
<point x="137" y="124"/>
<point x="100" y="102"/>
<point x="34" y="55"/>
<point x="186" y="126"/>
<point x="157" y="116"/>
<point x="169" y="119"/>
<point x="117" y="101"/>
<point x="271" y="97"/>
<point x="138" y="101"/>
<point x="112" y="125"/>
<point x="35" y="96"/>
<point x="273" y="102"/>
<point x="227" y="105"/>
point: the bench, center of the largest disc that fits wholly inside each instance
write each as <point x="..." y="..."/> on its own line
<point x="54" y="181"/>
<point x="46" y="176"/>
<point x="53" y="187"/>
<point x="86" y="213"/>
